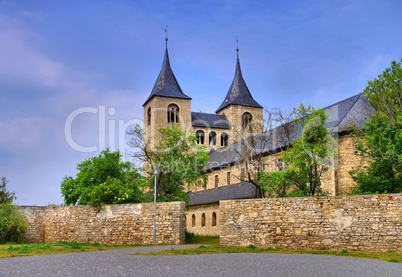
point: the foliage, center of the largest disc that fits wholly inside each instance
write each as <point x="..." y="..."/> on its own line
<point x="13" y="224"/>
<point x="385" y="92"/>
<point x="5" y="196"/>
<point x="32" y="249"/>
<point x="379" y="141"/>
<point x="192" y="238"/>
<point x="307" y="159"/>
<point x="178" y="160"/>
<point x="254" y="142"/>
<point x="103" y="180"/>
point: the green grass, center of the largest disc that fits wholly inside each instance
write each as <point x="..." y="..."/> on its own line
<point x="209" y="245"/>
<point x="10" y="250"/>
<point x="197" y="239"/>
<point x="394" y="257"/>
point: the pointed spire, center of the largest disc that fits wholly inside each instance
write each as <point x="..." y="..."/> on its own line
<point x="166" y="39"/>
<point x="238" y="93"/>
<point x="166" y="85"/>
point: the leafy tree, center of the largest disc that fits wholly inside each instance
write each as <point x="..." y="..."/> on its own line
<point x="13" y="224"/>
<point x="5" y="196"/>
<point x="103" y="180"/>
<point x="178" y="159"/>
<point x="255" y="144"/>
<point x="379" y="141"/>
<point x="307" y="158"/>
<point x="385" y="92"/>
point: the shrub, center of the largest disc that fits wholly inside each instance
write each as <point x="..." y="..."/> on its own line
<point x="13" y="225"/>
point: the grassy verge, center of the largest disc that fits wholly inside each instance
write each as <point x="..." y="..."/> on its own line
<point x="18" y="250"/>
<point x="211" y="246"/>
<point x="395" y="257"/>
<point x="197" y="239"/>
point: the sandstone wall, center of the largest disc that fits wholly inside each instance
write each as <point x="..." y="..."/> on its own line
<point x="115" y="224"/>
<point x="347" y="222"/>
<point x="195" y="223"/>
<point x="36" y="220"/>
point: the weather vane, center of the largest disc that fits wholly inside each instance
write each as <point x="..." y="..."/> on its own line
<point x="166" y="31"/>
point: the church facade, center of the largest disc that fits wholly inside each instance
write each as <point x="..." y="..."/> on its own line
<point x="222" y="131"/>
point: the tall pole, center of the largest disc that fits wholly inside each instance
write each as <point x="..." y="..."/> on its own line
<point x="155" y="173"/>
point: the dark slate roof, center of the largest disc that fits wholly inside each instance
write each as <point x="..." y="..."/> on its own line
<point x="166" y="85"/>
<point x="238" y="93"/>
<point x="209" y="120"/>
<point x="351" y="110"/>
<point x="243" y="190"/>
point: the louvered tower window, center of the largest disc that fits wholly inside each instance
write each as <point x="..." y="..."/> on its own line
<point x="173" y="113"/>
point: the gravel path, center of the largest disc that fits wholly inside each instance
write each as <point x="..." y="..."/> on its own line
<point x="120" y="263"/>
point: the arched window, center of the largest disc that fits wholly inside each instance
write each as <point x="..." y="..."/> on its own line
<point x="172" y="113"/>
<point x="213" y="219"/>
<point x="203" y="220"/>
<point x="149" y="116"/>
<point x="200" y="137"/>
<point x="224" y="139"/>
<point x="281" y="165"/>
<point x="212" y="138"/>
<point x="193" y="220"/>
<point x="246" y="118"/>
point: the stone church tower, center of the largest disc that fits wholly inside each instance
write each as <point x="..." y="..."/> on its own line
<point x="166" y="104"/>
<point x="240" y="108"/>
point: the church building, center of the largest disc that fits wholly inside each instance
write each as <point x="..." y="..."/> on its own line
<point x="221" y="131"/>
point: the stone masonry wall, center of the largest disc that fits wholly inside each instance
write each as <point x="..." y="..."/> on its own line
<point x="36" y="220"/>
<point x="207" y="227"/>
<point x="342" y="222"/>
<point x="115" y="224"/>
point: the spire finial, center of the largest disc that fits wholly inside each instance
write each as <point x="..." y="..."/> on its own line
<point x="237" y="47"/>
<point x="166" y="31"/>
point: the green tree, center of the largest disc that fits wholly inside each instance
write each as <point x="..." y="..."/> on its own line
<point x="13" y="224"/>
<point x="178" y="159"/>
<point x="5" y="196"/>
<point x="103" y="180"/>
<point x="379" y="141"/>
<point x="306" y="159"/>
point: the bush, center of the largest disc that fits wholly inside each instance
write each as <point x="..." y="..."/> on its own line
<point x="13" y="225"/>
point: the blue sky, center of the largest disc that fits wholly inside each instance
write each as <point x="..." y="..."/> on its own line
<point x="100" y="59"/>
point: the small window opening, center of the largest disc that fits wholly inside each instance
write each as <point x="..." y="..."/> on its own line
<point x="224" y="139"/>
<point x="173" y="113"/>
<point x="212" y="138"/>
<point x="200" y="137"/>
<point x="281" y="165"/>
<point x="247" y="117"/>
<point x="149" y="116"/>
<point x="193" y="220"/>
<point x="213" y="219"/>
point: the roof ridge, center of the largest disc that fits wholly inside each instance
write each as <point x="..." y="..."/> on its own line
<point x="346" y="113"/>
